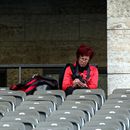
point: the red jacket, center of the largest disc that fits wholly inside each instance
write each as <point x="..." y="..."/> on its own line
<point x="92" y="82"/>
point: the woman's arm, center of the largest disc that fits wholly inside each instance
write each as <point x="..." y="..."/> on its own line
<point x="93" y="81"/>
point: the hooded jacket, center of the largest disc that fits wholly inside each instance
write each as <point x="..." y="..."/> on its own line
<point x="92" y="81"/>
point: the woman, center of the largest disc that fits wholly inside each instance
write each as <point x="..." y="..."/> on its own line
<point x="87" y="75"/>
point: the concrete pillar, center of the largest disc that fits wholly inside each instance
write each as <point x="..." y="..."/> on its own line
<point x="118" y="44"/>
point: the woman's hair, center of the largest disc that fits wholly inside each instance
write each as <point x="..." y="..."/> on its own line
<point x="84" y="50"/>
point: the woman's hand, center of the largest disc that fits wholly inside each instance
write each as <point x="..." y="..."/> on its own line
<point x="78" y="83"/>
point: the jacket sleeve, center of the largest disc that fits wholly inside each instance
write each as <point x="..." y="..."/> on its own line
<point x="67" y="79"/>
<point x="93" y="80"/>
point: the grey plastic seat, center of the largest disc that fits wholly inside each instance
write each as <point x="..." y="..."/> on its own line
<point x="84" y="102"/>
<point x="55" y="124"/>
<point x="3" y="109"/>
<point x="44" y="103"/>
<point x="51" y="128"/>
<point x="117" y="101"/>
<point x="79" y="113"/>
<point x="13" y="125"/>
<point x="119" y="96"/>
<point x="1" y="113"/>
<point x="122" y="119"/>
<point x="43" y="110"/>
<point x="9" y="129"/>
<point x="125" y="105"/>
<point x="74" y="119"/>
<point x="115" y="111"/>
<point x="60" y="94"/>
<point x="87" y="109"/>
<point x="7" y="104"/>
<point x="19" y="95"/>
<point x="4" y="88"/>
<point x="99" y="92"/>
<point x="29" y="121"/>
<point x="51" y="98"/>
<point x="93" y="98"/>
<point x="121" y="90"/>
<point x="107" y="123"/>
<point x="25" y="113"/>
<point x="10" y="99"/>
<point x="100" y="128"/>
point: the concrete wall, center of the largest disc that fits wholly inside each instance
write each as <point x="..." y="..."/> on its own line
<point x="43" y="31"/>
<point x="118" y="44"/>
<point x="46" y="31"/>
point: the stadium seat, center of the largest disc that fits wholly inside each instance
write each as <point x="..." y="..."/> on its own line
<point x="79" y="113"/>
<point x="74" y="119"/>
<point x="87" y="109"/>
<point x="122" y="119"/>
<point x="43" y="110"/>
<point x="100" y="128"/>
<point x="84" y="103"/>
<point x="51" y="128"/>
<point x="19" y="95"/>
<point x="29" y="121"/>
<point x="55" y="124"/>
<point x="12" y="125"/>
<point x="119" y="96"/>
<point x="25" y="113"/>
<point x="7" y="104"/>
<point x="93" y="98"/>
<point x="99" y="92"/>
<point x="122" y="91"/>
<point x="49" y="104"/>
<point x="51" y="98"/>
<point x="10" y="99"/>
<point x="108" y="123"/>
<point x="9" y="129"/>
<point x="60" y="94"/>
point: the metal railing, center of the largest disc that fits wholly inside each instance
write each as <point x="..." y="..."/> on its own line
<point x="47" y="68"/>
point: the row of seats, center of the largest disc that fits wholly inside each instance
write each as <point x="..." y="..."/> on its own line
<point x="85" y="109"/>
<point x="49" y="107"/>
<point x="114" y="114"/>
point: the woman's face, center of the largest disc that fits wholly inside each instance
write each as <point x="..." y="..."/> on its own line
<point x="83" y="60"/>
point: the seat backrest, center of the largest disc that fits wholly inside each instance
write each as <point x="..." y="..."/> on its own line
<point x="93" y="98"/>
<point x="52" y="128"/>
<point x="9" y="128"/>
<point x="7" y="104"/>
<point x="11" y="125"/>
<point x="51" y="98"/>
<point x="74" y="119"/>
<point x="100" y="128"/>
<point x="121" y="90"/>
<point x="107" y="123"/>
<point x="119" y="96"/>
<point x="49" y="104"/>
<point x="86" y="108"/>
<point x="99" y="92"/>
<point x="79" y="113"/>
<point x="60" y="94"/>
<point x="55" y="124"/>
<point x="25" y="113"/>
<point x="19" y="95"/>
<point x="42" y="110"/>
<point x="30" y="122"/>
<point x="122" y="119"/>
<point x="82" y="103"/>
<point x="10" y="99"/>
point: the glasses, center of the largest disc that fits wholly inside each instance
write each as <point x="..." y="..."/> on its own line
<point x="86" y="58"/>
